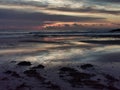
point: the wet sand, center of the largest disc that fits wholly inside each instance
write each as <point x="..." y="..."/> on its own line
<point x="59" y="64"/>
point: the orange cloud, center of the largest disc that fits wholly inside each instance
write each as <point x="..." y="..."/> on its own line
<point x="78" y="24"/>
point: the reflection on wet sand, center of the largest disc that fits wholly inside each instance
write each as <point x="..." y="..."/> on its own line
<point x="67" y="49"/>
<point x="108" y="42"/>
<point x="65" y="63"/>
<point x="44" y="46"/>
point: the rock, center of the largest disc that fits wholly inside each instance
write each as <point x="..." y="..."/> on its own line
<point x="23" y="86"/>
<point x="13" y="61"/>
<point x="13" y="73"/>
<point x="8" y="72"/>
<point x="5" y="78"/>
<point x="86" y="66"/>
<point x="74" y="77"/>
<point x="35" y="74"/>
<point x="24" y="63"/>
<point x="53" y="86"/>
<point x="38" y="67"/>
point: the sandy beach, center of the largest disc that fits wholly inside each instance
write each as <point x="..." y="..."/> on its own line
<point x="66" y="63"/>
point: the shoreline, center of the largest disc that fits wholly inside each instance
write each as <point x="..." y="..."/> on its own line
<point x="47" y="64"/>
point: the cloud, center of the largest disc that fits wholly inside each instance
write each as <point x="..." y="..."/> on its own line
<point x="18" y="15"/>
<point x="82" y="6"/>
<point x="88" y="10"/>
<point x="110" y="1"/>
<point x="10" y="18"/>
<point x="35" y="13"/>
<point x="79" y="26"/>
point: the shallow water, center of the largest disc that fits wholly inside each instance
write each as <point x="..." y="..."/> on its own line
<point x="59" y="49"/>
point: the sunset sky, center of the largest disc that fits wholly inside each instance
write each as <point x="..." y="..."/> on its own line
<point x="59" y="14"/>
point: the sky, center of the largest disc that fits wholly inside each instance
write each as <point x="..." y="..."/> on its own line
<point x="59" y="15"/>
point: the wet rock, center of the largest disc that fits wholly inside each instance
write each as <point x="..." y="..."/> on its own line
<point x="13" y="61"/>
<point x="75" y="73"/>
<point x="110" y="78"/>
<point x="8" y="72"/>
<point x="82" y="79"/>
<point x="38" y="67"/>
<point x="111" y="81"/>
<point x="86" y="66"/>
<point x="67" y="69"/>
<point x="93" y="84"/>
<point x="24" y="63"/>
<point x="52" y="86"/>
<point x="34" y="73"/>
<point x="23" y="86"/>
<point x="112" y="88"/>
<point x="13" y="73"/>
<point x="77" y="78"/>
<point x="5" y="78"/>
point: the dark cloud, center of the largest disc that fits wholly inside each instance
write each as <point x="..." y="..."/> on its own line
<point x="12" y="19"/>
<point x="16" y="15"/>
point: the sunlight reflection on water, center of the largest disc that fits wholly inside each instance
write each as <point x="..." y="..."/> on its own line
<point x="61" y="50"/>
<point x="73" y="55"/>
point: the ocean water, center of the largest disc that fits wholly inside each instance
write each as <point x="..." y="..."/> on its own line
<point x="12" y="34"/>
